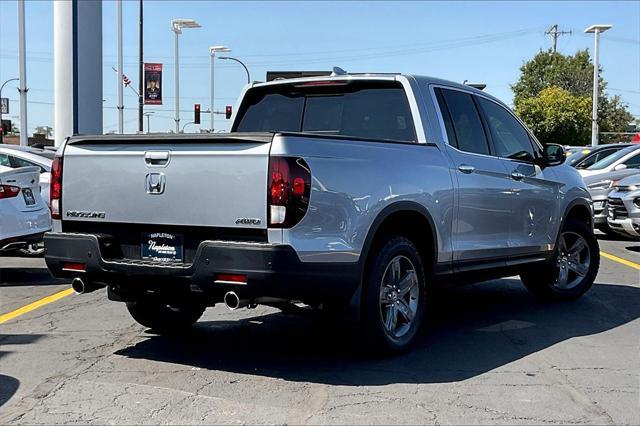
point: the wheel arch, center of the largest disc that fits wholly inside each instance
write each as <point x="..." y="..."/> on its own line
<point x="578" y="209"/>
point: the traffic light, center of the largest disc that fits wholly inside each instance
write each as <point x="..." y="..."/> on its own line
<point x="228" y="112"/>
<point x="196" y="113"/>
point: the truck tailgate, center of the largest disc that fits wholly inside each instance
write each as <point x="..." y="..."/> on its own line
<point x="215" y="181"/>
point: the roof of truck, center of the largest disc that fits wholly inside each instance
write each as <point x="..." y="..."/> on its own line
<point x="420" y="79"/>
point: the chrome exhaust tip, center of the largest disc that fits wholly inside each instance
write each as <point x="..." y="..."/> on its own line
<point x="233" y="301"/>
<point x="78" y="286"/>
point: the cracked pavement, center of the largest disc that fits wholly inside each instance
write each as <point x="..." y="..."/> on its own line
<point x="489" y="354"/>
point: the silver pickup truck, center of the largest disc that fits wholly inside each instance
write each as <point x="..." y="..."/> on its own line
<point x="351" y="192"/>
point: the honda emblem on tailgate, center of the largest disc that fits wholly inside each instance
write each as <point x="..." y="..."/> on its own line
<point x="155" y="183"/>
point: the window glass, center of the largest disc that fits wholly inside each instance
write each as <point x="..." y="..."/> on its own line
<point x="446" y="117"/>
<point x="466" y="122"/>
<point x="510" y="139"/>
<point x="272" y="112"/>
<point x="378" y="110"/>
<point x="19" y="162"/>
<point x="607" y="161"/>
<point x="633" y="162"/>
<point x="4" y="160"/>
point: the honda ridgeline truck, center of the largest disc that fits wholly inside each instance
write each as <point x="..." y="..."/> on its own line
<point x="348" y="191"/>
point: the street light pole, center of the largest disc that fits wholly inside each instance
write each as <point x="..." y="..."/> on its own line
<point x="241" y="63"/>
<point x="176" y="76"/>
<point x="24" y="137"/>
<point x="120" y="83"/>
<point x="212" y="54"/>
<point x="596" y="30"/>
<point x="176" y="26"/>
<point x="1" y="130"/>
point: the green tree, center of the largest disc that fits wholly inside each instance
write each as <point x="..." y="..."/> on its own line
<point x="574" y="75"/>
<point x="557" y="116"/>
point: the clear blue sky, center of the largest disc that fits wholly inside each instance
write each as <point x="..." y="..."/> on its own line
<point x="479" y="41"/>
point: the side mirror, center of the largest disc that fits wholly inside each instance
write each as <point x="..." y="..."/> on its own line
<point x="620" y="167"/>
<point x="553" y="155"/>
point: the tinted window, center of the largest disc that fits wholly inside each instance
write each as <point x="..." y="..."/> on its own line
<point x="20" y="162"/>
<point x="510" y="139"/>
<point x="446" y="117"/>
<point x="4" y="160"/>
<point x="606" y="162"/>
<point x="634" y="162"/>
<point x="272" y="112"/>
<point x="467" y="126"/>
<point x="363" y="110"/>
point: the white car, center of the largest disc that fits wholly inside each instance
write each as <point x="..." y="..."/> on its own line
<point x="24" y="216"/>
<point x="13" y="156"/>
<point x="627" y="158"/>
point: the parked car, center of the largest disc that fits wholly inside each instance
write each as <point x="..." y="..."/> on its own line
<point x="24" y="217"/>
<point x="599" y="187"/>
<point x="626" y="158"/>
<point x="623" y="207"/>
<point x="16" y="156"/>
<point x="587" y="156"/>
<point x="351" y="193"/>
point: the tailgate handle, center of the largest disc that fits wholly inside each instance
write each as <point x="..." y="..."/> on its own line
<point x="156" y="158"/>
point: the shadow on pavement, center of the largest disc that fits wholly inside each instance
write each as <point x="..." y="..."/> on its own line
<point x="13" y="277"/>
<point x="471" y="330"/>
<point x="8" y="387"/>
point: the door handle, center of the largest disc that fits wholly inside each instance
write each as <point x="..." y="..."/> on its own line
<point x="156" y="158"/>
<point x="465" y="168"/>
<point x="515" y="175"/>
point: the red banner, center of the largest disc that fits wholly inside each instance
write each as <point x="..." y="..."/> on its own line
<point x="153" y="84"/>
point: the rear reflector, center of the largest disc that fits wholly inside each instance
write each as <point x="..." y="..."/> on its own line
<point x="78" y="267"/>
<point x="231" y="279"/>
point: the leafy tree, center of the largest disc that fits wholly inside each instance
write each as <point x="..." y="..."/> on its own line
<point x="557" y="116"/>
<point x="574" y="75"/>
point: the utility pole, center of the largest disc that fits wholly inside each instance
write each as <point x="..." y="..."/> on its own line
<point x="120" y="82"/>
<point x="554" y="33"/>
<point x="24" y="137"/>
<point x="140" y="75"/>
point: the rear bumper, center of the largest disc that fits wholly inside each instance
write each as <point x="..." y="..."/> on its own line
<point x="15" y="243"/>
<point x="272" y="271"/>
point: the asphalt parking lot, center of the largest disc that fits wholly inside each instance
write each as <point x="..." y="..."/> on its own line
<point x="490" y="354"/>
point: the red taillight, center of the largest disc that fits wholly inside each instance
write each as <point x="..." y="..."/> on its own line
<point x="288" y="191"/>
<point x="79" y="267"/>
<point x="55" y="188"/>
<point x="8" y="191"/>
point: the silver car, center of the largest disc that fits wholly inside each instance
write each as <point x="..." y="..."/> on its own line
<point x="623" y="207"/>
<point x="599" y="187"/>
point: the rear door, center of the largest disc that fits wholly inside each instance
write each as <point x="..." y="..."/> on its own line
<point x="484" y="208"/>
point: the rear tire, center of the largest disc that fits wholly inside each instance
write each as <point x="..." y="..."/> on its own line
<point x="163" y="318"/>
<point x="394" y="295"/>
<point x="573" y="268"/>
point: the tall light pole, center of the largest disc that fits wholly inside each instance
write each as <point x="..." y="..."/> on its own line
<point x="120" y="82"/>
<point x="24" y="137"/>
<point x="241" y="63"/>
<point x="176" y="26"/>
<point x="212" y="54"/>
<point x="596" y="30"/>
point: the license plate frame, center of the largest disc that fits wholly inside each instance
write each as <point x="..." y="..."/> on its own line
<point x="29" y="198"/>
<point x="162" y="247"/>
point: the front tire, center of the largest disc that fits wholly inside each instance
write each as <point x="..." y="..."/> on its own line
<point x="394" y="295"/>
<point x="163" y="318"/>
<point x="574" y="266"/>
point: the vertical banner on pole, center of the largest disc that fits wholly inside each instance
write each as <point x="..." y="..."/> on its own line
<point x="153" y="84"/>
